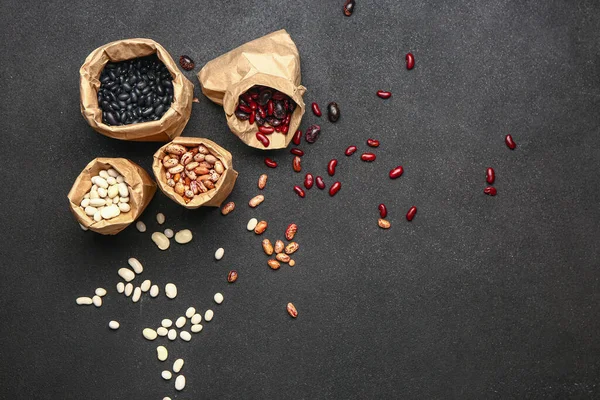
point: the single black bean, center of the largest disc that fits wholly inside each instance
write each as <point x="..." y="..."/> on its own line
<point x="141" y="85"/>
<point x="134" y="97"/>
<point x="105" y="79"/>
<point x="126" y="87"/>
<point x="165" y="100"/>
<point x="160" y="90"/>
<point x="110" y="118"/>
<point x="115" y="106"/>
<point x="148" y="111"/>
<point x="160" y="110"/>
<point x="128" y="115"/>
<point x="110" y="96"/>
<point x="156" y="102"/>
<point x="138" y="92"/>
<point x="147" y="90"/>
<point x="151" y="75"/>
<point x="129" y="107"/>
<point x="148" y="101"/>
<point x="122" y="104"/>
<point x="112" y="75"/>
<point x="123" y="96"/>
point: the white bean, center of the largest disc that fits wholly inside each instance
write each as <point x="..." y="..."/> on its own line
<point x="172" y="334"/>
<point x="171" y="290"/>
<point x="161" y="241"/>
<point x="141" y="226"/>
<point x="112" y="172"/>
<point x="104" y="174"/>
<point x="90" y="211"/>
<point x="162" y="353"/>
<point x="169" y="233"/>
<point x="219" y="253"/>
<point x="128" y="289"/>
<point x="167" y="323"/>
<point x="183" y="236"/>
<point x="112" y="181"/>
<point x="160" y="218"/>
<point x="177" y="365"/>
<point x="94" y="194"/>
<point x="123" y="191"/>
<point x="189" y="313"/>
<point x="218" y="298"/>
<point x="137" y="293"/>
<point x="135" y="265"/>
<point x="101" y="182"/>
<point x="126" y="274"/>
<point x="120" y="179"/>
<point x="196" y="328"/>
<point x="162" y="331"/>
<point x="208" y="315"/>
<point x="149" y="333"/>
<point x="96" y="203"/>
<point x="145" y="286"/>
<point x="97" y="216"/>
<point x="97" y="300"/>
<point x="196" y="319"/>
<point x="166" y="375"/>
<point x="113" y="191"/>
<point x="185" y="335"/>
<point x="85" y="203"/>
<point x="180" y="383"/>
<point x="102" y="192"/>
<point x="114" y="325"/>
<point x="124" y="199"/>
<point x="180" y="323"/>
<point x="120" y="287"/>
<point x="110" y="212"/>
<point x="100" y="292"/>
<point x="154" y="291"/>
<point x="252" y="224"/>
<point x="124" y="207"/>
<point x="84" y="301"/>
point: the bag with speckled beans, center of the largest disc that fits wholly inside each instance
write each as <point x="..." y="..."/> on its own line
<point x="168" y="127"/>
<point x="272" y="60"/>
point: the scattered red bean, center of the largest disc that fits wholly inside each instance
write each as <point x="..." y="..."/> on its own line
<point x="266" y="129"/>
<point x="320" y="182"/>
<point x="349" y="7"/>
<point x="297" y="164"/>
<point x="299" y="191"/>
<point x="396" y="172"/>
<point x="411" y="213"/>
<point x="308" y="181"/>
<point x="263" y="139"/>
<point x="368" y="157"/>
<point x="297" y="137"/>
<point x="372" y="143"/>
<point x="510" y="142"/>
<point x="383" y="94"/>
<point x="350" y="150"/>
<point x="490" y="191"/>
<point x="382" y="210"/>
<point x="490" y="176"/>
<point x="270" y="163"/>
<point x="297" y="152"/>
<point x="186" y="63"/>
<point x="331" y="167"/>
<point x="335" y="188"/>
<point x="410" y="61"/>
<point x="316" y="110"/>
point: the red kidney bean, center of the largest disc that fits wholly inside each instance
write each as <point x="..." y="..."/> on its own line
<point x="410" y="61"/>
<point x="297" y="137"/>
<point x="278" y="128"/>
<point x="383" y="94"/>
<point x="270" y="107"/>
<point x="278" y="96"/>
<point x="287" y="119"/>
<point x="331" y="167"/>
<point x="297" y="164"/>
<point x="247" y="98"/>
<point x="349" y="7"/>
<point x="316" y="110"/>
<point x="267" y="130"/>
<point x="308" y="181"/>
<point x="490" y="191"/>
<point x="270" y="163"/>
<point x="411" y="213"/>
<point x="263" y="139"/>
<point x="372" y="143"/>
<point x="254" y="96"/>
<point x="490" y="175"/>
<point x="335" y="188"/>
<point x="299" y="191"/>
<point x="252" y="117"/>
<point x="382" y="210"/>
<point x="253" y="105"/>
<point x="396" y="172"/>
<point x="262" y="112"/>
<point x="320" y="182"/>
<point x="284" y="129"/>
<point x="350" y="150"/>
<point x="510" y="142"/>
<point x="244" y="108"/>
<point x="368" y="157"/>
<point x="297" y="152"/>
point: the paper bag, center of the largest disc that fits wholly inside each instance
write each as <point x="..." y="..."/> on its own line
<point x="271" y="60"/>
<point x="141" y="190"/>
<point x="172" y="122"/>
<point x="212" y="198"/>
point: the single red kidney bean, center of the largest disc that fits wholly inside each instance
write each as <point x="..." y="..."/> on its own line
<point x="382" y="210"/>
<point x="299" y="191"/>
<point x="266" y="129"/>
<point x="262" y="112"/>
<point x="396" y="172"/>
<point x="297" y="137"/>
<point x="349" y="7"/>
<point x="308" y="181"/>
<point x="254" y="96"/>
<point x="278" y="128"/>
<point x="270" y="107"/>
<point x="316" y="110"/>
<point x="490" y="175"/>
<point x="297" y="152"/>
<point x="263" y="139"/>
<point x="320" y="182"/>
<point x="411" y="213"/>
<point x="368" y="157"/>
<point x="331" y="167"/>
<point x="287" y="119"/>
<point x="510" y="142"/>
<point x="253" y="105"/>
<point x="270" y="163"/>
<point x="252" y="117"/>
<point x="297" y="164"/>
<point x="335" y="188"/>
<point x="247" y="98"/>
<point x="244" y="108"/>
<point x="490" y="191"/>
<point x="372" y="143"/>
<point x="284" y="129"/>
<point x="410" y="61"/>
<point x="350" y="150"/>
<point x="383" y="94"/>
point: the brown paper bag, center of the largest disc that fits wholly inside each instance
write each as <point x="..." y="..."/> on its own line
<point x="141" y="190"/>
<point x="212" y="198"/>
<point x="271" y="60"/>
<point x="172" y="122"/>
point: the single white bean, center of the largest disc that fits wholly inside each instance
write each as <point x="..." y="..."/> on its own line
<point x="123" y="191"/>
<point x="172" y="335"/>
<point x="112" y="181"/>
<point x="98" y="216"/>
<point x="85" y="203"/>
<point x="196" y="319"/>
<point x="145" y="286"/>
<point x="97" y="300"/>
<point x="161" y="241"/>
<point x="185" y="335"/>
<point x="219" y="253"/>
<point x="218" y="298"/>
<point x="104" y="174"/>
<point x="120" y="179"/>
<point x="112" y="172"/>
<point x="102" y="193"/>
<point x="114" y="325"/>
<point x="189" y="313"/>
<point x="107" y="201"/>
<point x="208" y="315"/>
<point x="177" y="365"/>
<point x="154" y="291"/>
<point x="180" y="383"/>
<point x="171" y="290"/>
<point x="113" y="191"/>
<point x="169" y="233"/>
<point x="149" y="333"/>
<point x="141" y="226"/>
<point x="162" y="353"/>
<point x="100" y="182"/>
<point x="162" y="331"/>
<point x="166" y="375"/>
<point x="124" y="207"/>
<point x="126" y="274"/>
<point x="196" y="328"/>
<point x="183" y="236"/>
<point x="124" y="199"/>
<point x="128" y="289"/>
<point x="252" y="224"/>
<point x="110" y="212"/>
<point x="90" y="211"/>
<point x="120" y="287"/>
<point x="167" y="323"/>
<point x="160" y="218"/>
<point x="135" y="265"/>
<point x="137" y="293"/>
<point x="180" y="323"/>
<point x="84" y="301"/>
<point x="94" y="194"/>
<point x="100" y="292"/>
<point x="96" y="203"/>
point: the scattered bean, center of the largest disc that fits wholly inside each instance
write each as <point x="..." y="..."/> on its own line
<point x="135" y="265"/>
<point x="196" y="328"/>
<point x="335" y="188"/>
<point x="126" y="274"/>
<point x="161" y="241"/>
<point x="187" y="63"/>
<point x="291" y="309"/>
<point x="184" y="236"/>
<point x="100" y="292"/>
<point x="114" y="325"/>
<point x="290" y="231"/>
<point x="180" y="382"/>
<point x="308" y="181"/>
<point x="141" y="226"/>
<point x="137" y="294"/>
<point x="490" y="191"/>
<point x="274" y="264"/>
<point x="331" y="167"/>
<point x="154" y="291"/>
<point x="410" y="61"/>
<point x="291" y="248"/>
<point x="171" y="290"/>
<point x="284" y="258"/>
<point x="411" y="213"/>
<point x="372" y="143"/>
<point x="262" y="181"/>
<point x="297" y="152"/>
<point x="299" y="191"/>
<point x="263" y="139"/>
<point x="350" y="150"/>
<point x="169" y="233"/>
<point x="162" y="353"/>
<point x="383" y="223"/>
<point x="218" y="298"/>
<point x="232" y="276"/>
<point x="219" y="253"/>
<point x="383" y="94"/>
<point x="120" y="287"/>
<point x="227" y="208"/>
<point x="172" y="335"/>
<point x="162" y="331"/>
<point x="167" y="323"/>
<point x="256" y="200"/>
<point x="180" y="322"/>
<point x="333" y="112"/>
<point x="260" y="227"/>
<point x="396" y="172"/>
<point x="348" y="10"/>
<point x="368" y="157"/>
<point x="128" y="289"/>
<point x="490" y="176"/>
<point x="279" y="246"/>
<point x="270" y="163"/>
<point x="166" y="375"/>
<point x="149" y="333"/>
<point x="320" y="182"/>
<point x="185" y="335"/>
<point x="297" y="137"/>
<point x="382" y="210"/>
<point x="196" y="319"/>
<point x="208" y="315"/>
<point x="160" y="218"/>
<point x="316" y="110"/>
<point x="291" y="263"/>
<point x="510" y="142"/>
<point x="267" y="247"/>
<point x="177" y="365"/>
<point x="252" y="224"/>
<point x="84" y="301"/>
<point x="297" y="164"/>
<point x="312" y="133"/>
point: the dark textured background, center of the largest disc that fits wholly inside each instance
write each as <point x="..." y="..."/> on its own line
<point x="478" y="297"/>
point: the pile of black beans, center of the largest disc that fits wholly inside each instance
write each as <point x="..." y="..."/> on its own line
<point x="137" y="90"/>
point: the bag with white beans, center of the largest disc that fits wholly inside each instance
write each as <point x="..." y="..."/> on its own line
<point x="138" y="183"/>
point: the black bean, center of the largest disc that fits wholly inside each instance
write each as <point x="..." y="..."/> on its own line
<point x="141" y="84"/>
<point x="134" y="97"/>
<point x="160" y="90"/>
<point x="126" y="87"/>
<point x="110" y="118"/>
<point x="160" y="110"/>
<point x="115" y="106"/>
<point x="165" y="100"/>
<point x="123" y="96"/>
<point x="151" y="75"/>
<point x="333" y="111"/>
<point x="105" y="79"/>
<point x="157" y="102"/>
<point x="148" y="101"/>
<point x="113" y="76"/>
<point x="147" y="90"/>
<point x="129" y="107"/>
<point x="148" y="111"/>
<point x="122" y="104"/>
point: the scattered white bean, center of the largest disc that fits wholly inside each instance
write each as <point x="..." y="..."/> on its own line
<point x="172" y="335"/>
<point x="154" y="290"/>
<point x="161" y="240"/>
<point x="208" y="315"/>
<point x="189" y="313"/>
<point x="185" y="335"/>
<point x="171" y="290"/>
<point x="162" y="331"/>
<point x="100" y="292"/>
<point x="169" y="233"/>
<point x="126" y="274"/>
<point x="120" y="287"/>
<point x="97" y="300"/>
<point x="160" y="218"/>
<point x="162" y="353"/>
<point x="166" y="375"/>
<point x="167" y="323"/>
<point x="137" y="293"/>
<point x="114" y="325"/>
<point x="149" y="333"/>
<point x="196" y="328"/>
<point x="196" y="319"/>
<point x="135" y="265"/>
<point x="145" y="286"/>
<point x="183" y="236"/>
<point x="180" y="383"/>
<point x="84" y="301"/>
<point x="252" y="224"/>
<point x="180" y="323"/>
<point x="128" y="289"/>
<point x="141" y="226"/>
<point x="219" y="253"/>
<point x="177" y="365"/>
<point x="218" y="298"/>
